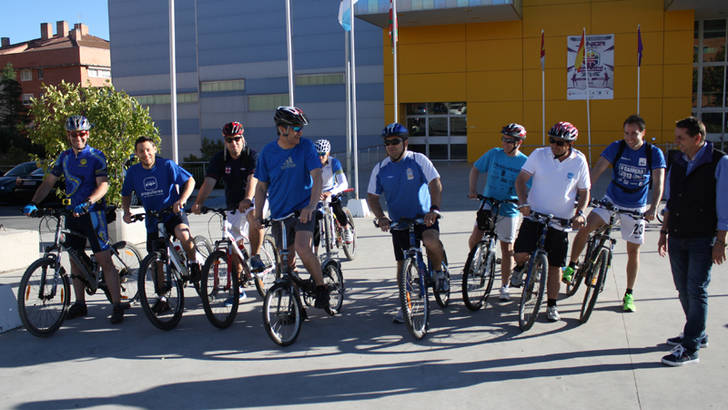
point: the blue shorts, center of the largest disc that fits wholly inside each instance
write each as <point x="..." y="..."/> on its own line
<point x="92" y="226"/>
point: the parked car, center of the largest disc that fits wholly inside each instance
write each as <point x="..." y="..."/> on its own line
<point x="19" y="184"/>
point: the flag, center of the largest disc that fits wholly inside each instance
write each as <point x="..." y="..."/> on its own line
<point x="639" y="46"/>
<point x="345" y="14"/>
<point x="393" y="25"/>
<point x="579" y="61"/>
<point x="543" y="52"/>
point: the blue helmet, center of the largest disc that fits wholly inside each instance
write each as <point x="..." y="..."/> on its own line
<point x="77" y="123"/>
<point x="395" y="129"/>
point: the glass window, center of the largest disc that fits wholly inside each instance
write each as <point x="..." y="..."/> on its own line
<point x="416" y="126"/>
<point x="438" y="127"/>
<point x="266" y="102"/>
<point x="438" y="151"/>
<point x="99" y="72"/>
<point x="40" y="73"/>
<point x="320" y="79"/>
<point x="437" y="108"/>
<point x="458" y="126"/>
<point x="713" y="122"/>
<point x="182" y="98"/>
<point x="696" y="42"/>
<point x="695" y="87"/>
<point x="714" y="40"/>
<point x="27" y="99"/>
<point x="713" y="86"/>
<point x="26" y="75"/>
<point x="459" y="151"/>
<point x="416" y="109"/>
<point x="223" y="85"/>
<point x="443" y="120"/>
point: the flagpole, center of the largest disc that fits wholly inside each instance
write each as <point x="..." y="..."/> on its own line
<point x="353" y="104"/>
<point x="543" y="92"/>
<point x="395" y="30"/>
<point x="639" y="63"/>
<point x="173" y="83"/>
<point x="588" y="115"/>
<point x="289" y="47"/>
<point x="347" y="66"/>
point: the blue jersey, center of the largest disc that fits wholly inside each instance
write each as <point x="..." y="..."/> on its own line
<point x="404" y="184"/>
<point x="155" y="187"/>
<point x="80" y="172"/>
<point x="502" y="171"/>
<point x="288" y="175"/>
<point x="631" y="171"/>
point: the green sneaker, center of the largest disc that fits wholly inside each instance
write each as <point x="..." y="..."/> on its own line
<point x="568" y="274"/>
<point x="628" y="303"/>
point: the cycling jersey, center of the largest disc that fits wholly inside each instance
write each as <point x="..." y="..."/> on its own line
<point x="631" y="171"/>
<point x="333" y="177"/>
<point x="404" y="184"/>
<point x="156" y="187"/>
<point x="80" y="171"/>
<point x="502" y="171"/>
<point x="234" y="173"/>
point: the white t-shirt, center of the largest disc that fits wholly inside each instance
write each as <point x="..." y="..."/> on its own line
<point x="554" y="183"/>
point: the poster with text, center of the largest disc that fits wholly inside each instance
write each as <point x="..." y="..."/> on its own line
<point x="598" y="62"/>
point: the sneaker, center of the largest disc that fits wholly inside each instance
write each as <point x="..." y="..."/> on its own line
<point x="195" y="271"/>
<point x="628" y="305"/>
<point x="677" y="340"/>
<point x="161" y="306"/>
<point x="442" y="283"/>
<point x="553" y="314"/>
<point x="241" y="296"/>
<point x="680" y="356"/>
<point x="348" y="235"/>
<point x="517" y="277"/>
<point x="118" y="315"/>
<point x="322" y="298"/>
<point x="78" y="309"/>
<point x="504" y="296"/>
<point x="567" y="274"/>
<point x="256" y="264"/>
<point x="398" y="318"/>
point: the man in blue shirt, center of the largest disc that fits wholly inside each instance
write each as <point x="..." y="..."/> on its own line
<point x="160" y="184"/>
<point x="634" y="172"/>
<point x="411" y="186"/>
<point x="85" y="173"/>
<point x="502" y="165"/>
<point x="694" y="230"/>
<point x="289" y="171"/>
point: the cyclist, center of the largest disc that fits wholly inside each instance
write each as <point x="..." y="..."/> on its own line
<point x="85" y="172"/>
<point x="235" y="164"/>
<point x="557" y="174"/>
<point x="636" y="164"/>
<point x="502" y="166"/>
<point x="412" y="188"/>
<point x="333" y="182"/>
<point x="290" y="172"/>
<point x="160" y="183"/>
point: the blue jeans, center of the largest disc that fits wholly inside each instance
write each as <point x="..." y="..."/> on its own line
<point x="691" y="261"/>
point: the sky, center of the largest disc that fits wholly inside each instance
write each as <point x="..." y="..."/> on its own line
<point x="20" y="20"/>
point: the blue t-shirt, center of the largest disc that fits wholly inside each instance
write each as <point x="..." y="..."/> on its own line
<point x="80" y="172"/>
<point x="404" y="184"/>
<point x="155" y="187"/>
<point x="502" y="171"/>
<point x="631" y="172"/>
<point x="288" y="175"/>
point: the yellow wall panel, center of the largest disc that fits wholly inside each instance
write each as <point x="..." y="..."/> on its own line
<point x="555" y="47"/>
<point x="431" y="58"/>
<point x="674" y="109"/>
<point x="432" y="87"/>
<point x="429" y="34"/>
<point x="678" y="47"/>
<point x="494" y="55"/>
<point x="678" y="81"/>
<point x="679" y="20"/>
<point x="561" y="19"/>
<point x="494" y="86"/>
<point x="612" y="17"/>
<point x="493" y="30"/>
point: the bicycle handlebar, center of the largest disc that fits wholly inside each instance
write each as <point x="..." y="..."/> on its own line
<point x="612" y="208"/>
<point x="547" y="218"/>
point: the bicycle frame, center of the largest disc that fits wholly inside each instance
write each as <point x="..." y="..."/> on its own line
<point x="415" y="252"/>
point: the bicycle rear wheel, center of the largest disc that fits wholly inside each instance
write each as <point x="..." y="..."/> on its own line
<point x="127" y="260"/>
<point x="269" y="255"/>
<point x="533" y="290"/>
<point x="593" y="284"/>
<point x="478" y="275"/>
<point x="334" y="281"/>
<point x="219" y="290"/>
<point x="349" y="248"/>
<point x="443" y="297"/>
<point x="413" y="298"/>
<point x="282" y="314"/>
<point x="43" y="297"/>
<point x="161" y="295"/>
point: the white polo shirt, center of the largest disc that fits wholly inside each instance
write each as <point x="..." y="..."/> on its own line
<point x="554" y="183"/>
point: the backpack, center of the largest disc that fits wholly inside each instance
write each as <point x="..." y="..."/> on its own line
<point x="620" y="150"/>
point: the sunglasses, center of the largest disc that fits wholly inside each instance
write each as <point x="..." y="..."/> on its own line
<point x="558" y="142"/>
<point x="509" y="140"/>
<point x="394" y="141"/>
<point x="296" y="129"/>
<point x="322" y="154"/>
<point x="79" y="133"/>
<point x="236" y="139"/>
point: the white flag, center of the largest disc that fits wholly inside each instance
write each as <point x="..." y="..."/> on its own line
<point x="345" y="14"/>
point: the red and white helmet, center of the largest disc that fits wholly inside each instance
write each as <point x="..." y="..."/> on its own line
<point x="514" y="130"/>
<point x="290" y="116"/>
<point x="232" y="129"/>
<point x="564" y="130"/>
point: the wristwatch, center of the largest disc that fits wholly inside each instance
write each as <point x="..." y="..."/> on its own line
<point x="579" y="213"/>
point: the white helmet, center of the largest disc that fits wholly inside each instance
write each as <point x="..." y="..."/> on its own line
<point x="322" y="146"/>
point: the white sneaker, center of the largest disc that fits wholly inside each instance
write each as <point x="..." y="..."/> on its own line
<point x="553" y="314"/>
<point x="504" y="296"/>
<point x="348" y="235"/>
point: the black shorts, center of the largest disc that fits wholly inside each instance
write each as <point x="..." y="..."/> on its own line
<point x="92" y="226"/>
<point x="154" y="241"/>
<point x="400" y="239"/>
<point x="557" y="242"/>
<point x="293" y="225"/>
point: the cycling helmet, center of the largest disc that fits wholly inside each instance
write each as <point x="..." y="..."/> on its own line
<point x="232" y="129"/>
<point x="564" y="130"/>
<point x="395" y="129"/>
<point x="322" y="146"/>
<point x="77" y="123"/>
<point x="290" y="116"/>
<point x="514" y="130"/>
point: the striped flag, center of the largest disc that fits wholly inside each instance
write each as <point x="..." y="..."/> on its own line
<point x="543" y="52"/>
<point x="345" y="14"/>
<point x="639" y="46"/>
<point x="393" y="26"/>
<point x="579" y="62"/>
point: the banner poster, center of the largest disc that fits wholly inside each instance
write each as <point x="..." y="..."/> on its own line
<point x="599" y="65"/>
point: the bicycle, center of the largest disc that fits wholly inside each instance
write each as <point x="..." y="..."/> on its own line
<point x="44" y="291"/>
<point x="219" y="278"/>
<point x="414" y="279"/>
<point x="479" y="269"/>
<point x="332" y="233"/>
<point x="166" y="265"/>
<point x="283" y="310"/>
<point x="597" y="259"/>
<point x="536" y="272"/>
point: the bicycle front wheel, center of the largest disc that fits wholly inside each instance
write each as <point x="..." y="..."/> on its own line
<point x="127" y="260"/>
<point x="533" y="290"/>
<point x="593" y="283"/>
<point x="282" y="314"/>
<point x="219" y="290"/>
<point x="478" y="275"/>
<point x="413" y="298"/>
<point x="334" y="281"/>
<point x="203" y="246"/>
<point x="442" y="297"/>
<point x="269" y="255"/>
<point x="349" y="248"/>
<point x="43" y="297"/>
<point x="160" y="292"/>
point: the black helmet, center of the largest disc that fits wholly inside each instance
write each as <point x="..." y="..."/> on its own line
<point x="290" y="116"/>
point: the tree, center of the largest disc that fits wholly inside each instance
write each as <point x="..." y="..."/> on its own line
<point x="13" y="143"/>
<point x="117" y="120"/>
